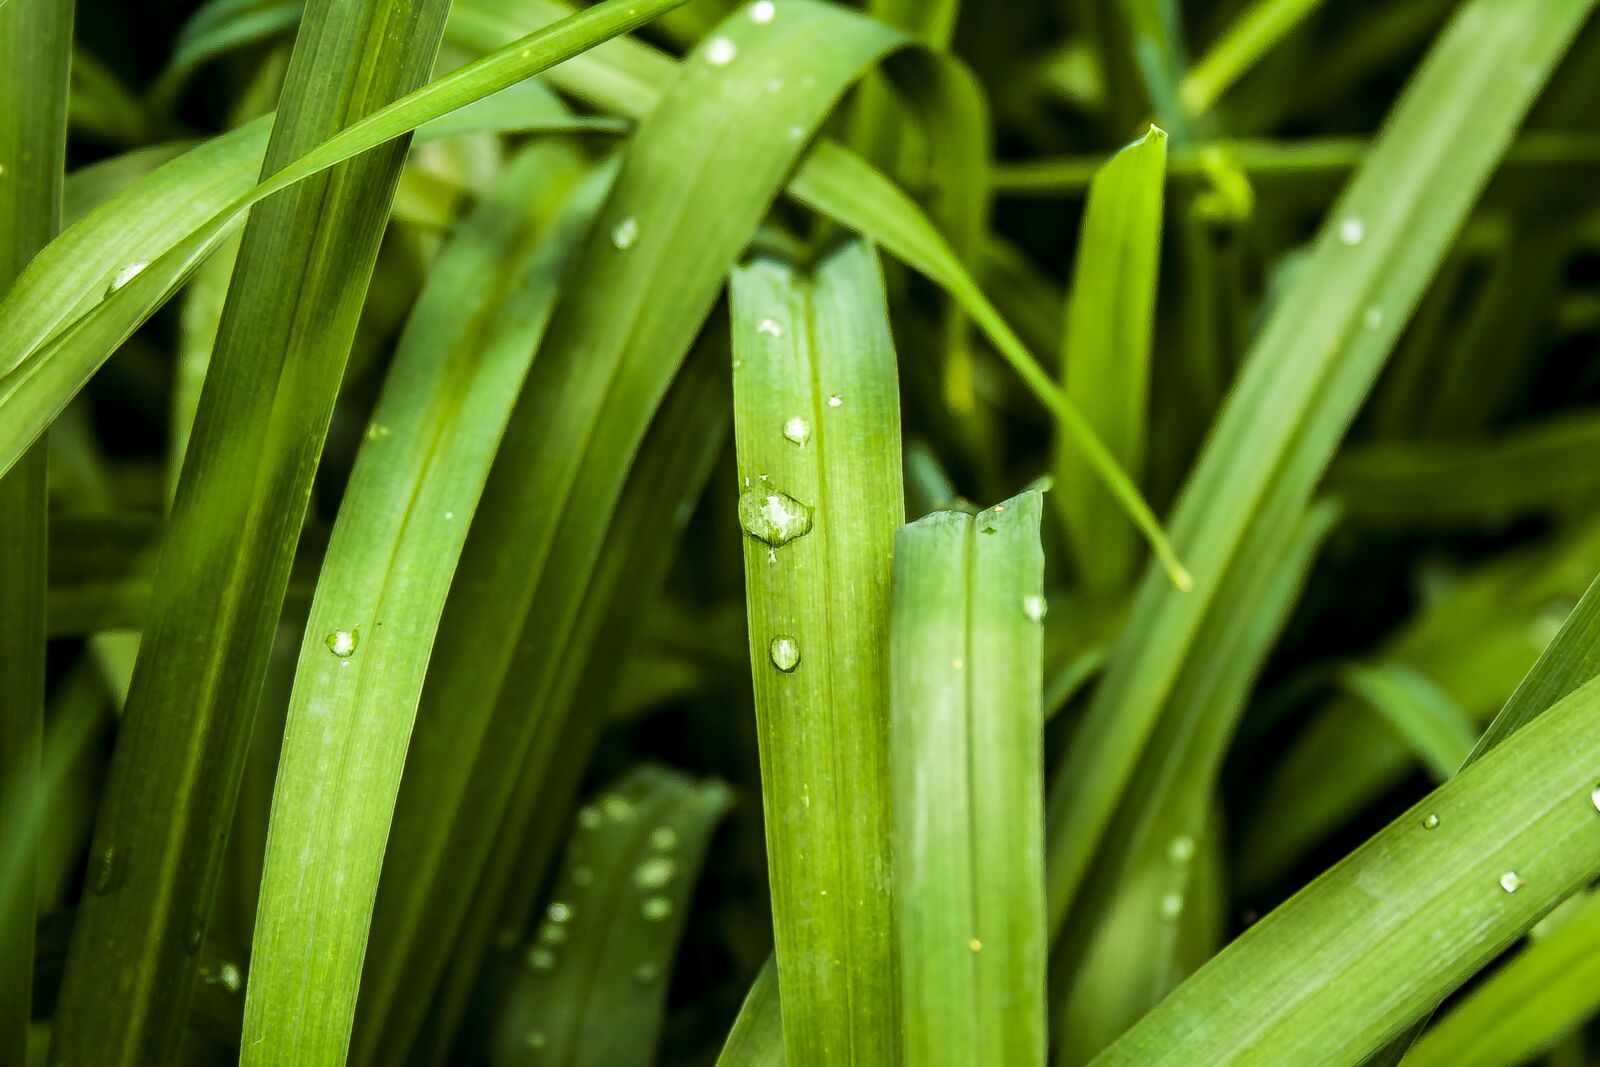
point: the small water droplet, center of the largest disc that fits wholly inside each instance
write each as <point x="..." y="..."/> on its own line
<point x="1511" y="881"/>
<point x="785" y="653"/>
<point x="1352" y="231"/>
<point x="342" y="643"/>
<point x="656" y="908"/>
<point x="664" y="837"/>
<point x="975" y="945"/>
<point x="720" y="51"/>
<point x="375" y="431"/>
<point x="646" y="973"/>
<point x="1035" y="607"/>
<point x="773" y="517"/>
<point x="449" y="514"/>
<point x="761" y="12"/>
<point x="836" y="401"/>
<point x="797" y="430"/>
<point x="796" y="132"/>
<point x="626" y="234"/>
<point x="958" y="664"/>
<point x="1180" y="849"/>
<point x="769" y="328"/>
<point x="774" y="85"/>
<point x="1373" y="318"/>
<point x="553" y="933"/>
<point x="1594" y="797"/>
<point x="230" y="978"/>
<point x="589" y="817"/>
<point x="617" y="808"/>
<point x="560" y="911"/>
<point x="534" y="1039"/>
<point x="654" y="873"/>
<point x="127" y="274"/>
<point x="1171" y="906"/>
<point x="1430" y="821"/>
<point x="541" y="959"/>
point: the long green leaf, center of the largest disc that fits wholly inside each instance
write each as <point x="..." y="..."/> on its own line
<point x="966" y="655"/>
<point x="816" y="421"/>
<point x="756" y="1039"/>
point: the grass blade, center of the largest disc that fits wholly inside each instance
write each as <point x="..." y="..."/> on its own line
<point x="816" y="421"/>
<point x="756" y="1039"/>
<point x="966" y="657"/>
<point x="1433" y="725"/>
<point x="1107" y="351"/>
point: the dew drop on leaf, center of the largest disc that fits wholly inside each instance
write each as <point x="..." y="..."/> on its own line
<point x="1511" y="881"/>
<point x="761" y="12"/>
<point x="836" y="401"/>
<point x="654" y="873"/>
<point x="769" y="328"/>
<point x="797" y="430"/>
<point x="1180" y="849"/>
<point x="342" y="643"/>
<point x="1352" y="231"/>
<point x="664" y="837"/>
<point x="773" y="517"/>
<point x="626" y="234"/>
<point x="785" y="653"/>
<point x="1171" y="906"/>
<point x="1035" y="607"/>
<point x="720" y="51"/>
<point x="656" y="908"/>
<point x="1430" y="822"/>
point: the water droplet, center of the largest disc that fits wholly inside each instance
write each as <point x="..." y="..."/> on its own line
<point x="654" y="873"/>
<point x="589" y="817"/>
<point x="109" y="870"/>
<point x="560" y="912"/>
<point x="975" y="945"/>
<point x="774" y="85"/>
<point x="1430" y="821"/>
<point x="1035" y="607"/>
<point x="342" y="643"/>
<point x="553" y="933"/>
<point x="229" y="977"/>
<point x="646" y="973"/>
<point x="656" y="908"/>
<point x="769" y="328"/>
<point x="836" y="401"/>
<point x="1352" y="231"/>
<point x="1511" y="881"/>
<point x="626" y="234"/>
<point x="720" y="51"/>
<point x="582" y="876"/>
<point x="1373" y="319"/>
<point x="449" y="514"/>
<point x="1171" y="906"/>
<point x="541" y="959"/>
<point x="761" y="12"/>
<point x="797" y="430"/>
<point x="772" y="517"/>
<point x="617" y="808"/>
<point x="534" y="1039"/>
<point x="664" y="837"/>
<point x="1180" y="849"/>
<point x="1594" y="797"/>
<point x="127" y="274"/>
<point x="374" y="431"/>
<point x="796" y="132"/>
<point x="785" y="652"/>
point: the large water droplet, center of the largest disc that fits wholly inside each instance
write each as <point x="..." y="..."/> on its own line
<point x="720" y="51"/>
<point x="785" y="653"/>
<point x="1352" y="231"/>
<point x="656" y="908"/>
<point x="1180" y="849"/>
<point x="626" y="234"/>
<point x="797" y="430"/>
<point x="654" y="873"/>
<point x="1511" y="881"/>
<point x="761" y="12"/>
<point x="1035" y="607"/>
<point x="773" y="517"/>
<point x="126" y="275"/>
<point x="342" y="643"/>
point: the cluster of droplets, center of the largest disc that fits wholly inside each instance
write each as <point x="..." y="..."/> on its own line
<point x="1180" y="852"/>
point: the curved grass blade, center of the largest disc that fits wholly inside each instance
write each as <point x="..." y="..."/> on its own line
<point x="643" y="285"/>
<point x="756" y="1039"/>
<point x="1343" y="966"/>
<point x="594" y="989"/>
<point x="1106" y="362"/>
<point x="382" y="587"/>
<point x="816" y="421"/>
<point x="1424" y="716"/>
<point x="224" y="566"/>
<point x="35" y="54"/>
<point x="1309" y="371"/>
<point x="966" y="660"/>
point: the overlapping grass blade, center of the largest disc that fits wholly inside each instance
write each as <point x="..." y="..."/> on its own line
<point x="1341" y="968"/>
<point x="594" y="987"/>
<point x="639" y="292"/>
<point x="402" y="523"/>
<point x="756" y="1039"/>
<point x="1307" y="374"/>
<point x="966" y="729"/>
<point x="1250" y="36"/>
<point x="1106" y="362"/>
<point x="35" y="51"/>
<point x="816" y="421"/>
<point x="247" y="476"/>
<point x="1423" y="715"/>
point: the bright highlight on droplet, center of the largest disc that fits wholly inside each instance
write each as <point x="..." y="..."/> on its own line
<point x="1035" y="607"/>
<point x="1171" y="906"/>
<point x="342" y="643"/>
<point x="1352" y="231"/>
<point x="797" y="430"/>
<point x="770" y="328"/>
<point x="773" y="517"/>
<point x="626" y="234"/>
<point x="656" y="908"/>
<point x="560" y="912"/>
<point x="128" y="274"/>
<point x="1511" y="881"/>
<point x="1431" y="822"/>
<point x="720" y="51"/>
<point x="785" y="653"/>
<point x="654" y="873"/>
<point x="836" y="401"/>
<point x="1180" y="849"/>
<point x="761" y="12"/>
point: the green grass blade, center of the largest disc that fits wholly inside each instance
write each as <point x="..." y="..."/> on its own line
<point x="1247" y="39"/>
<point x="816" y="421"/>
<point x="1107" y="351"/>
<point x="594" y="987"/>
<point x="382" y="587"/>
<point x="966" y="727"/>
<point x="756" y="1039"/>
<point x="258" y="434"/>
<point x="1547" y="991"/>
<point x="1306" y="375"/>
<point x="1423" y="715"/>
<point x="35" y="52"/>
<point x="1403" y="920"/>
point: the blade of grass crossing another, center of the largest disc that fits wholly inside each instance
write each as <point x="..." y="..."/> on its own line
<point x="381" y="590"/>
<point x="1107" y="359"/>
<point x="1307" y="374"/>
<point x="35" y="54"/>
<point x="966" y="724"/>
<point x="756" y="1039"/>
<point x="817" y="428"/>
<point x="291" y="312"/>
